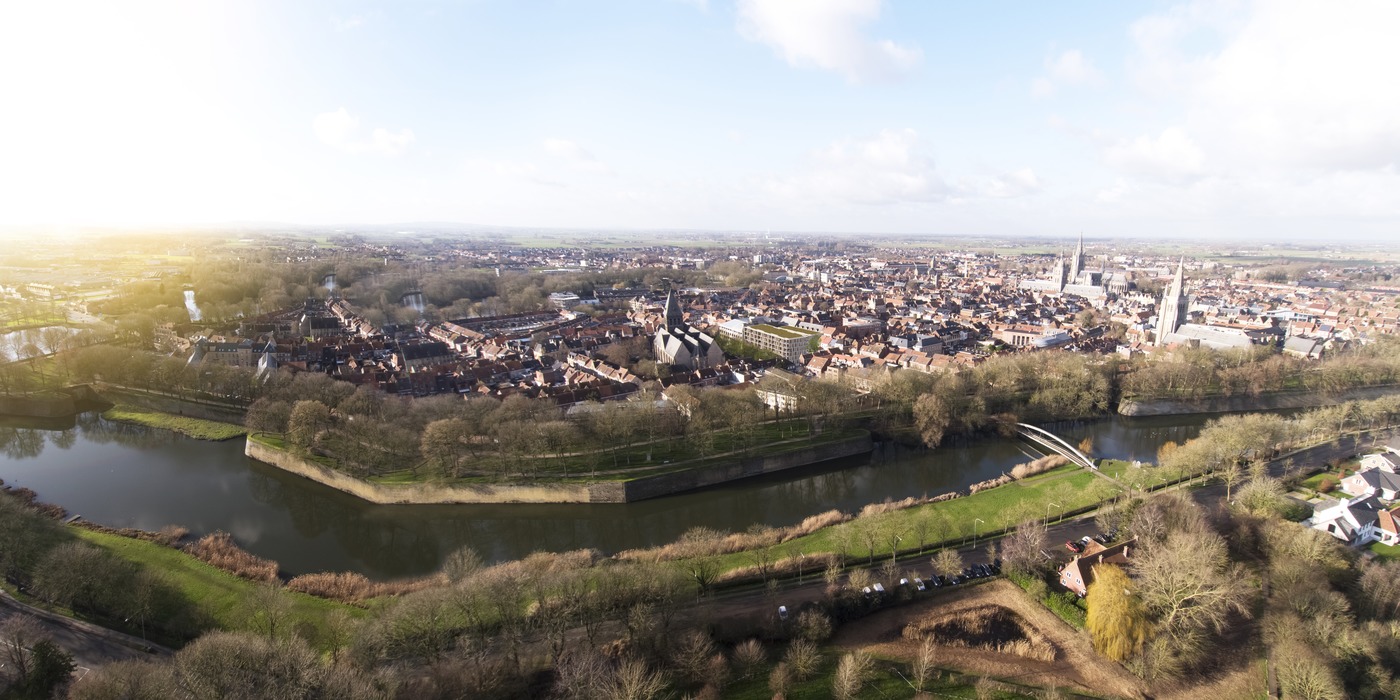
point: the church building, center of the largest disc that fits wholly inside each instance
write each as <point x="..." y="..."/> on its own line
<point x="680" y="344"/>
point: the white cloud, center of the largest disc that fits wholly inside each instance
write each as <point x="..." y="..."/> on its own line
<point x="1014" y="184"/>
<point x="345" y="24"/>
<point x="885" y="169"/>
<point x="340" y="129"/>
<point x="826" y="34"/>
<point x="1283" y="84"/>
<point x="1171" y="155"/>
<point x="1069" y="67"/>
<point x="577" y="157"/>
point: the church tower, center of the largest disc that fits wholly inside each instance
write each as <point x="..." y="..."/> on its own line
<point x="1076" y="264"/>
<point x="674" y="317"/>
<point x="1173" y="311"/>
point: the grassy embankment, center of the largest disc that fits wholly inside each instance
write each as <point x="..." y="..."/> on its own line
<point x="1070" y="488"/>
<point x="221" y="596"/>
<point x="197" y="428"/>
<point x="623" y="463"/>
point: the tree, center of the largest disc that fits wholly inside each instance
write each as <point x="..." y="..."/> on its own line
<point x="307" y="420"/>
<point x="852" y="672"/>
<point x="932" y="417"/>
<point x="1022" y="549"/>
<point x="51" y="669"/>
<point x="1117" y="620"/>
<point x="1187" y="583"/>
<point x="240" y="665"/>
<point x="948" y="562"/>
<point x="924" y="668"/>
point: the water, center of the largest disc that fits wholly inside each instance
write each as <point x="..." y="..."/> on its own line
<point x="192" y="307"/>
<point x="16" y="345"/>
<point x="128" y="476"/>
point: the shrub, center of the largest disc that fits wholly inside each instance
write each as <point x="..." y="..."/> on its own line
<point x="350" y="587"/>
<point x="220" y="551"/>
<point x="1328" y="484"/>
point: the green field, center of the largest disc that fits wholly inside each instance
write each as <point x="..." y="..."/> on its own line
<point x="221" y="596"/>
<point x="194" y="427"/>
<point x="997" y="509"/>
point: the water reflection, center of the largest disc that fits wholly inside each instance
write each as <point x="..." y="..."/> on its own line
<point x="125" y="475"/>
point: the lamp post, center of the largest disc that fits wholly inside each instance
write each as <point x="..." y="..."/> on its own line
<point x="974" y="531"/>
<point x="1047" y="511"/>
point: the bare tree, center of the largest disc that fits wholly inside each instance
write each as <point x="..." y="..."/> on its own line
<point x="852" y="673"/>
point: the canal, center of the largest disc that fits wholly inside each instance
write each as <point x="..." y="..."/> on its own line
<point x="129" y="476"/>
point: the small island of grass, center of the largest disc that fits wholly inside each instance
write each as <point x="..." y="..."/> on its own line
<point x="197" y="428"/>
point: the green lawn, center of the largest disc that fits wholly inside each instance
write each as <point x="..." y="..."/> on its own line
<point x="1114" y="467"/>
<point x="193" y="427"/>
<point x="220" y="595"/>
<point x="997" y="509"/>
<point x="1385" y="551"/>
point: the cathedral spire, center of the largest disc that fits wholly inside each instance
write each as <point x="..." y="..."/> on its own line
<point x="674" y="317"/>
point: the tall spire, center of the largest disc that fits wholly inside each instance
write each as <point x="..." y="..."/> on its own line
<point x="1076" y="263"/>
<point x="674" y="317"/>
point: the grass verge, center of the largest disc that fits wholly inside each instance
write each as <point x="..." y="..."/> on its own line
<point x="197" y="428"/>
<point x="221" y="596"/>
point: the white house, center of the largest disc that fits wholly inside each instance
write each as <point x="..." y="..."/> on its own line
<point x="1388" y="461"/>
<point x="1351" y="520"/>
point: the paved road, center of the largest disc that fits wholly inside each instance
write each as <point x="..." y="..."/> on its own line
<point x="90" y="645"/>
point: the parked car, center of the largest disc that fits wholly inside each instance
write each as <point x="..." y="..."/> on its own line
<point x="954" y="580"/>
<point x="1102" y="538"/>
<point x="919" y="584"/>
<point x="904" y="582"/>
<point x="1085" y="540"/>
<point x="782" y="612"/>
<point x="1073" y="546"/>
<point x="879" y="587"/>
<point x="937" y="581"/>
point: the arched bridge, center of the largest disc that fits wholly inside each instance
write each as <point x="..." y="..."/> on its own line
<point x="1056" y="444"/>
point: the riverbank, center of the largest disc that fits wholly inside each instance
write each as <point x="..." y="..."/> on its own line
<point x="268" y="450"/>
<point x="1247" y="403"/>
<point x="197" y="428"/>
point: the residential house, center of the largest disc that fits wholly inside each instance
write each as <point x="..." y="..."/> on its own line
<point x="1079" y="572"/>
<point x="1351" y="520"/>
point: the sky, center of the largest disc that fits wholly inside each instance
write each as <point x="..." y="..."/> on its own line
<point x="1271" y="120"/>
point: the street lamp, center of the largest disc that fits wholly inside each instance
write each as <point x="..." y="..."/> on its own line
<point x="1047" y="511"/>
<point x="974" y="531"/>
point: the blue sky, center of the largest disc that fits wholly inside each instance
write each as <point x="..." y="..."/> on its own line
<point x="1262" y="120"/>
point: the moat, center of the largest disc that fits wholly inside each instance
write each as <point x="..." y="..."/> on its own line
<point x="128" y="476"/>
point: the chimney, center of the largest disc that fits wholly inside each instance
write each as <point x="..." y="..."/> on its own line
<point x="1125" y="551"/>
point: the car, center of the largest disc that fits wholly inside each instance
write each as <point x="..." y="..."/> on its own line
<point x="782" y="612"/>
<point x="904" y="582"/>
<point x="866" y="591"/>
<point x="1073" y="546"/>
<point x="986" y="570"/>
<point x="919" y="584"/>
<point x="879" y="587"/>
<point x="937" y="581"/>
<point x="954" y="580"/>
<point x="1102" y="538"/>
<point x="1085" y="540"/>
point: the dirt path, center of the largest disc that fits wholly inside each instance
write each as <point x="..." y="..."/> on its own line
<point x="1077" y="666"/>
